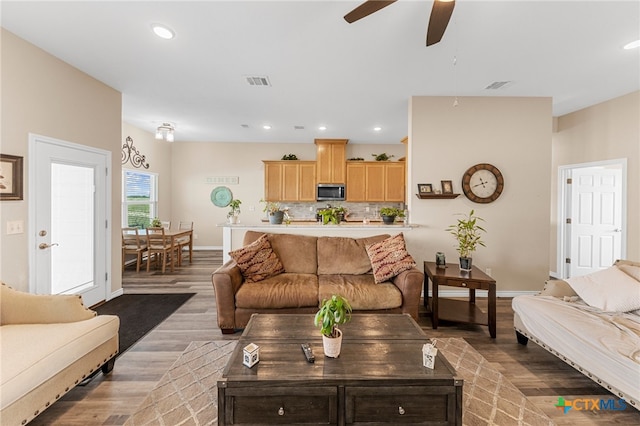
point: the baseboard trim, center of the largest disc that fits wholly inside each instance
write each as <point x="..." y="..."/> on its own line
<point x="481" y="293"/>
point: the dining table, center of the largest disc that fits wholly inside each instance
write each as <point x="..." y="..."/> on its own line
<point x="175" y="235"/>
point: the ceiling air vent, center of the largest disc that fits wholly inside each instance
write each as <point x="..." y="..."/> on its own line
<point x="298" y="127"/>
<point x="256" y="80"/>
<point x="498" y="85"/>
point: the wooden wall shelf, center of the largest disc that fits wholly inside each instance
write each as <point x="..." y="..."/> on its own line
<point x="437" y="196"/>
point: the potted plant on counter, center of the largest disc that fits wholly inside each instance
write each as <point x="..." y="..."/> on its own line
<point x="467" y="233"/>
<point x="234" y="213"/>
<point x="333" y="215"/>
<point x="389" y="214"/>
<point x="333" y="312"/>
<point x="273" y="210"/>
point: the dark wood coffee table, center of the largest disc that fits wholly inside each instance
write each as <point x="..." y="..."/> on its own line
<point x="378" y="378"/>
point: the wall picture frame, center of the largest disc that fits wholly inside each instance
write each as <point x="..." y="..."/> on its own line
<point x="447" y="186"/>
<point x="11" y="167"/>
<point x="425" y="189"/>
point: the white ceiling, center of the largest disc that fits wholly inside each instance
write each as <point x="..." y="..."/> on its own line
<point x="323" y="71"/>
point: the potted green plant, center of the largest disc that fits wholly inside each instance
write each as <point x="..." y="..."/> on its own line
<point x="332" y="312"/>
<point x="234" y="213"/>
<point x="333" y="215"/>
<point x="389" y="214"/>
<point x="155" y="223"/>
<point x="467" y="232"/>
<point x="273" y="210"/>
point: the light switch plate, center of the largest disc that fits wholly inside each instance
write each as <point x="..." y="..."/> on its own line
<point x="15" y="227"/>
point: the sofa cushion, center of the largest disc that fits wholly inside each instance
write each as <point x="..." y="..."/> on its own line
<point x="342" y="255"/>
<point x="557" y="288"/>
<point x="389" y="258"/>
<point x="257" y="261"/>
<point x="360" y="290"/>
<point x="298" y="253"/>
<point x="283" y="291"/>
<point x="31" y="354"/>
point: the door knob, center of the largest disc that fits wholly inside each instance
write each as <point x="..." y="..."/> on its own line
<point x="617" y="230"/>
<point x="43" y="246"/>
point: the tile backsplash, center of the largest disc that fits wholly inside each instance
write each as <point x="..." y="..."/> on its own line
<point x="307" y="210"/>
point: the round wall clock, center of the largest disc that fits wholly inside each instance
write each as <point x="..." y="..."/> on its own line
<point x="221" y="196"/>
<point x="482" y="183"/>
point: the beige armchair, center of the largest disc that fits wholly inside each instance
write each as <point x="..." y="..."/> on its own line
<point x="48" y="344"/>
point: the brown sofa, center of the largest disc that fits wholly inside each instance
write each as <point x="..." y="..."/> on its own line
<point x="315" y="268"/>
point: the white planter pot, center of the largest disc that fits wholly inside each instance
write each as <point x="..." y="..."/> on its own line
<point x="332" y="345"/>
<point x="234" y="219"/>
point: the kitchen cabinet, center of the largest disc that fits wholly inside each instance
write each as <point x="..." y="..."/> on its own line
<point x="331" y="160"/>
<point x="372" y="181"/>
<point x="289" y="180"/>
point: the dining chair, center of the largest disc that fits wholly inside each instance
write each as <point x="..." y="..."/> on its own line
<point x="132" y="244"/>
<point x="184" y="241"/>
<point x="159" y="245"/>
<point x="166" y="224"/>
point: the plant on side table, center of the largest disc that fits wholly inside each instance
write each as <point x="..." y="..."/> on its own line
<point x="332" y="312"/>
<point x="234" y="213"/>
<point x="468" y="234"/>
<point x="273" y="210"/>
<point x="389" y="214"/>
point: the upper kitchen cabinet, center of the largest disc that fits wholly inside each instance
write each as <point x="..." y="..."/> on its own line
<point x="372" y="181"/>
<point x="289" y="180"/>
<point x="331" y="160"/>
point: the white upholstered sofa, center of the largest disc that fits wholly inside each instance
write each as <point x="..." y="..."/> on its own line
<point x="592" y="323"/>
<point x="48" y="345"/>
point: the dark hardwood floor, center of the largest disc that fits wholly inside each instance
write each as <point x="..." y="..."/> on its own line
<point x="110" y="400"/>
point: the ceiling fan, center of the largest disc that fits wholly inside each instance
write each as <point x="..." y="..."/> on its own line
<point x="440" y="15"/>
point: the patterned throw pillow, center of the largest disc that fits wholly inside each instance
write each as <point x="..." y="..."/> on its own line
<point x="257" y="261"/>
<point x="389" y="258"/>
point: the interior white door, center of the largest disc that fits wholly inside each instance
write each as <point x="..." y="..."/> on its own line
<point x="596" y="219"/>
<point x="68" y="205"/>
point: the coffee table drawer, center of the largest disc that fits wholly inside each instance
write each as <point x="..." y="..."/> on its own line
<point x="282" y="405"/>
<point x="408" y="405"/>
<point x="464" y="284"/>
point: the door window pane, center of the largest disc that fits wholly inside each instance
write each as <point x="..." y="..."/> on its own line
<point x="72" y="228"/>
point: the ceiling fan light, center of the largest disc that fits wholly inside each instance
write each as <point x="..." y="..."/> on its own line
<point x="632" y="45"/>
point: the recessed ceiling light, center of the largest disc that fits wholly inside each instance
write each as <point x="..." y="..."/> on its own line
<point x="163" y="31"/>
<point x="322" y="128"/>
<point x="377" y="129"/>
<point x="266" y="127"/>
<point x="632" y="45"/>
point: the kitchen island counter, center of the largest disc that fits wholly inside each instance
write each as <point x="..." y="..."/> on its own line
<point x="233" y="234"/>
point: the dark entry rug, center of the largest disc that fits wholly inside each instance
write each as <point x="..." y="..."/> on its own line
<point x="141" y="313"/>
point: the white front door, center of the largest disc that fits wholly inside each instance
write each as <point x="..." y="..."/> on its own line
<point x="69" y="232"/>
<point x="596" y="218"/>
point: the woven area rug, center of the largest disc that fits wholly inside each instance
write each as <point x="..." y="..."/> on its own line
<point x="187" y="394"/>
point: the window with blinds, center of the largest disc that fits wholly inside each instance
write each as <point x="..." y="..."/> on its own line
<point x="139" y="198"/>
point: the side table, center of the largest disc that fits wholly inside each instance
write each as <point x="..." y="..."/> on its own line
<point x="459" y="310"/>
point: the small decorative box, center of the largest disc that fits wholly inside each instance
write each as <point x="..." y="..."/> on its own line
<point x="429" y="353"/>
<point x="251" y="355"/>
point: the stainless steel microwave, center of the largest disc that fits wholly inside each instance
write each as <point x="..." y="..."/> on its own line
<point x="330" y="192"/>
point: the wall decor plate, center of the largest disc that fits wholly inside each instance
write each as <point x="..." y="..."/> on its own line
<point x="221" y="196"/>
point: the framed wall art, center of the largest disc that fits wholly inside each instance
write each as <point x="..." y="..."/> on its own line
<point x="447" y="187"/>
<point x="10" y="177"/>
<point x="425" y="189"/>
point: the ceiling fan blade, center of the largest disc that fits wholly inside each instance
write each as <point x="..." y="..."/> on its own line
<point x="366" y="9"/>
<point x="439" y="19"/>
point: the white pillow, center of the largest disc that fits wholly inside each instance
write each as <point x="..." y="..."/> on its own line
<point x="610" y="290"/>
<point x="631" y="270"/>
